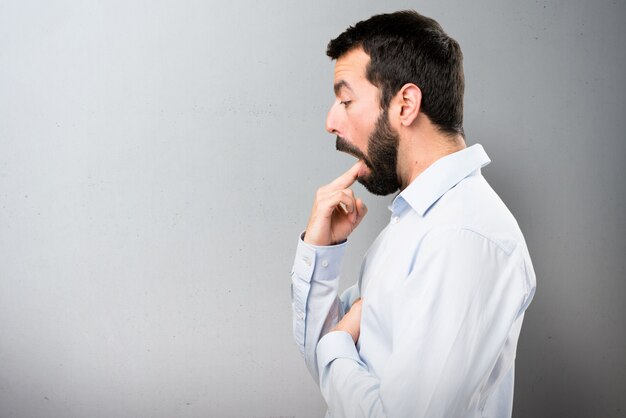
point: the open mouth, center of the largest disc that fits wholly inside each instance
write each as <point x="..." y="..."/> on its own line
<point x="344" y="146"/>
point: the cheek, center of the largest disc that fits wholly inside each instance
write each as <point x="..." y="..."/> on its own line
<point x="363" y="124"/>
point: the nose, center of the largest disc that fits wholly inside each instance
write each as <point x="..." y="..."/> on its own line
<point x="332" y="120"/>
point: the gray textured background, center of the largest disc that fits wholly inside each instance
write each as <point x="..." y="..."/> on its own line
<point x="158" y="160"/>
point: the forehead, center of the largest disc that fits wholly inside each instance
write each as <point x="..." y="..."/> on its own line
<point x="350" y="68"/>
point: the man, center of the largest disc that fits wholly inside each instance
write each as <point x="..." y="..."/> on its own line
<point x="431" y="327"/>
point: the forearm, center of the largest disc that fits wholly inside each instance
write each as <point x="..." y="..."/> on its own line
<point x="316" y="307"/>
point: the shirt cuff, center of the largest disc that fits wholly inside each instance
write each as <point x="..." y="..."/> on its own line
<point x="322" y="261"/>
<point x="334" y="345"/>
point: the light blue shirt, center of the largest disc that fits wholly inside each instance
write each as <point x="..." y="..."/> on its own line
<point x="444" y="288"/>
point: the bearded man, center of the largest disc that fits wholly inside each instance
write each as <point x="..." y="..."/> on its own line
<point x="430" y="328"/>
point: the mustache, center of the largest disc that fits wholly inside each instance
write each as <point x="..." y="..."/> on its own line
<point x="341" y="144"/>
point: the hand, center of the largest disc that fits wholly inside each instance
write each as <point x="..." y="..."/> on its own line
<point x="351" y="321"/>
<point x="336" y="212"/>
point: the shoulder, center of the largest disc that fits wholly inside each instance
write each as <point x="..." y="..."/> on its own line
<point x="465" y="236"/>
<point x="473" y="212"/>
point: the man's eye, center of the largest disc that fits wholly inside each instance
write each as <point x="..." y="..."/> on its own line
<point x="345" y="102"/>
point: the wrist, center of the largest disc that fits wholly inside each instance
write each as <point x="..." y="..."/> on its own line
<point x="310" y="239"/>
<point x="317" y="242"/>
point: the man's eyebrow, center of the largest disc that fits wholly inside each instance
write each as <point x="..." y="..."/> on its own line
<point x="341" y="84"/>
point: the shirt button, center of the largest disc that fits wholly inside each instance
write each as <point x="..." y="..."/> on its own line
<point x="300" y="315"/>
<point x="395" y="219"/>
<point x="325" y="263"/>
<point x="307" y="261"/>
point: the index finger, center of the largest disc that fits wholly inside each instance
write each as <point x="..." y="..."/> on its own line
<point x="348" y="178"/>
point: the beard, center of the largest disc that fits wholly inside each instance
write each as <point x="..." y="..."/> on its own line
<point x="381" y="158"/>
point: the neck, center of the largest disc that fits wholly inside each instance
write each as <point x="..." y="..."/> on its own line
<point x="422" y="148"/>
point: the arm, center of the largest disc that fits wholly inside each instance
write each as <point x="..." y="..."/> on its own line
<point x="316" y="307"/>
<point x="456" y="321"/>
<point x="315" y="275"/>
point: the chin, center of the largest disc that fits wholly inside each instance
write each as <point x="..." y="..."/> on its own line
<point x="374" y="189"/>
<point x="377" y="187"/>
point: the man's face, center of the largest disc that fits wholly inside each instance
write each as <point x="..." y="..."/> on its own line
<point x="362" y="129"/>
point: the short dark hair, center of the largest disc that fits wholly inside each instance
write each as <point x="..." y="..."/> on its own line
<point x="406" y="47"/>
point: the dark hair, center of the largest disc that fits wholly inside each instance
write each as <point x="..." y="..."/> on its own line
<point x="406" y="47"/>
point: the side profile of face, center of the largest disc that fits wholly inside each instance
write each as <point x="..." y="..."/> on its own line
<point x="361" y="127"/>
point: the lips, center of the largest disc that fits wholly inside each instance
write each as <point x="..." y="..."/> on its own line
<point x="364" y="170"/>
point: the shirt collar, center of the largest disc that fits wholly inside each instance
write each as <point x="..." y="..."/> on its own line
<point x="440" y="177"/>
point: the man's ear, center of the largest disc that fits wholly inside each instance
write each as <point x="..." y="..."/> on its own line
<point x="410" y="100"/>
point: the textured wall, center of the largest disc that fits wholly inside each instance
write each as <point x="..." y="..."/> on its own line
<point x="158" y="160"/>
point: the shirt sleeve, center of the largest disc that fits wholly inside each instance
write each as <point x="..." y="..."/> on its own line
<point x="316" y="306"/>
<point x="456" y="319"/>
